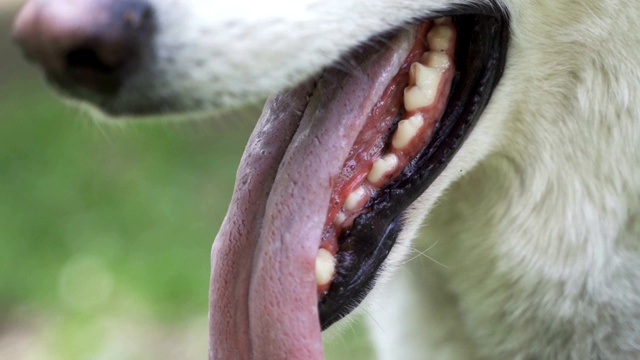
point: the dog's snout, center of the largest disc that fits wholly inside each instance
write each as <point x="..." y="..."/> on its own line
<point x="90" y="44"/>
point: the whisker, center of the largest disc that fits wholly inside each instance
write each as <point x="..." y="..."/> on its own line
<point x="424" y="254"/>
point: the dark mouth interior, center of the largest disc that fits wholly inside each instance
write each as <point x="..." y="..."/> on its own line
<point x="361" y="246"/>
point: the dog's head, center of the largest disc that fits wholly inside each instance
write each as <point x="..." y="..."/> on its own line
<point x="381" y="106"/>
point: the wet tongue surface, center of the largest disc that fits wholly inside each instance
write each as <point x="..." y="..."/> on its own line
<point x="263" y="299"/>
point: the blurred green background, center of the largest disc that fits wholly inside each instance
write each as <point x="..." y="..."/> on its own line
<point x="106" y="229"/>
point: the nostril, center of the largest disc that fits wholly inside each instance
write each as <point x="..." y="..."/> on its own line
<point x="92" y="44"/>
<point x="85" y="68"/>
<point x="88" y="60"/>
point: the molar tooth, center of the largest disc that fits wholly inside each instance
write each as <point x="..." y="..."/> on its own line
<point x="415" y="98"/>
<point x="325" y="267"/>
<point x="424" y="92"/>
<point x="439" y="38"/>
<point x="436" y="60"/>
<point x="407" y="129"/>
<point x="427" y="79"/>
<point x="381" y="167"/>
<point x="355" y="198"/>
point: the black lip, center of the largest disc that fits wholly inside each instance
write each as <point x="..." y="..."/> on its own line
<point x="480" y="60"/>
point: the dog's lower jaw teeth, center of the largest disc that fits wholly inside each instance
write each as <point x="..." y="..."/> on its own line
<point x="425" y="96"/>
<point x="436" y="60"/>
<point x="416" y="98"/>
<point x="339" y="219"/>
<point x="439" y="38"/>
<point x="407" y="130"/>
<point x="356" y="199"/>
<point x="325" y="267"/>
<point x="382" y="167"/>
<point x="424" y="93"/>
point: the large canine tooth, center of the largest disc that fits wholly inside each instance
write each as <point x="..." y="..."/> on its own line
<point x="381" y="167"/>
<point x="355" y="198"/>
<point x="436" y="60"/>
<point x="439" y="38"/>
<point x="407" y="129"/>
<point x="325" y="267"/>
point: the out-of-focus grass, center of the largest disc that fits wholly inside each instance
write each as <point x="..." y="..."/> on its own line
<point x="103" y="220"/>
<point x="143" y="200"/>
<point x="105" y="231"/>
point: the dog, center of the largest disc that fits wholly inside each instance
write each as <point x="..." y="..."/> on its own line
<point x="499" y="219"/>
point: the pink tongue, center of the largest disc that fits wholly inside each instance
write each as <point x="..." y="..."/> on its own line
<point x="263" y="300"/>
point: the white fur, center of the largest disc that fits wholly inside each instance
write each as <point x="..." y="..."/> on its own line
<point x="535" y="221"/>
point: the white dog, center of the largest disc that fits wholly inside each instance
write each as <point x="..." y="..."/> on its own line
<point x="517" y="144"/>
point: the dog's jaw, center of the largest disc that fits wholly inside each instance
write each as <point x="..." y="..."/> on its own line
<point x="265" y="251"/>
<point x="536" y="245"/>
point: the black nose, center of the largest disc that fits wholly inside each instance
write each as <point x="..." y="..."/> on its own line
<point x="90" y="44"/>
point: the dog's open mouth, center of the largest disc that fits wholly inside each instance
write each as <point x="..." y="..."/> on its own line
<point x="328" y="173"/>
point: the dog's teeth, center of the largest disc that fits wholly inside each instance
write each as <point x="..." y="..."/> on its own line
<point x="355" y="199"/>
<point x="436" y="60"/>
<point x="339" y="219"/>
<point x="325" y="267"/>
<point x="442" y="21"/>
<point x="414" y="98"/>
<point x="407" y="129"/>
<point x="427" y="79"/>
<point x="424" y="92"/>
<point x="439" y="38"/>
<point x="381" y="167"/>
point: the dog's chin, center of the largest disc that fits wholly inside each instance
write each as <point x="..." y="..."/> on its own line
<point x="128" y="106"/>
<point x="144" y="97"/>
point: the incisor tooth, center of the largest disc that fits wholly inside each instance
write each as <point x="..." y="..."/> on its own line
<point x="439" y="38"/>
<point x="382" y="166"/>
<point x="353" y="200"/>
<point x="407" y="129"/>
<point x="325" y="267"/>
<point x="339" y="219"/>
<point x="436" y="60"/>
